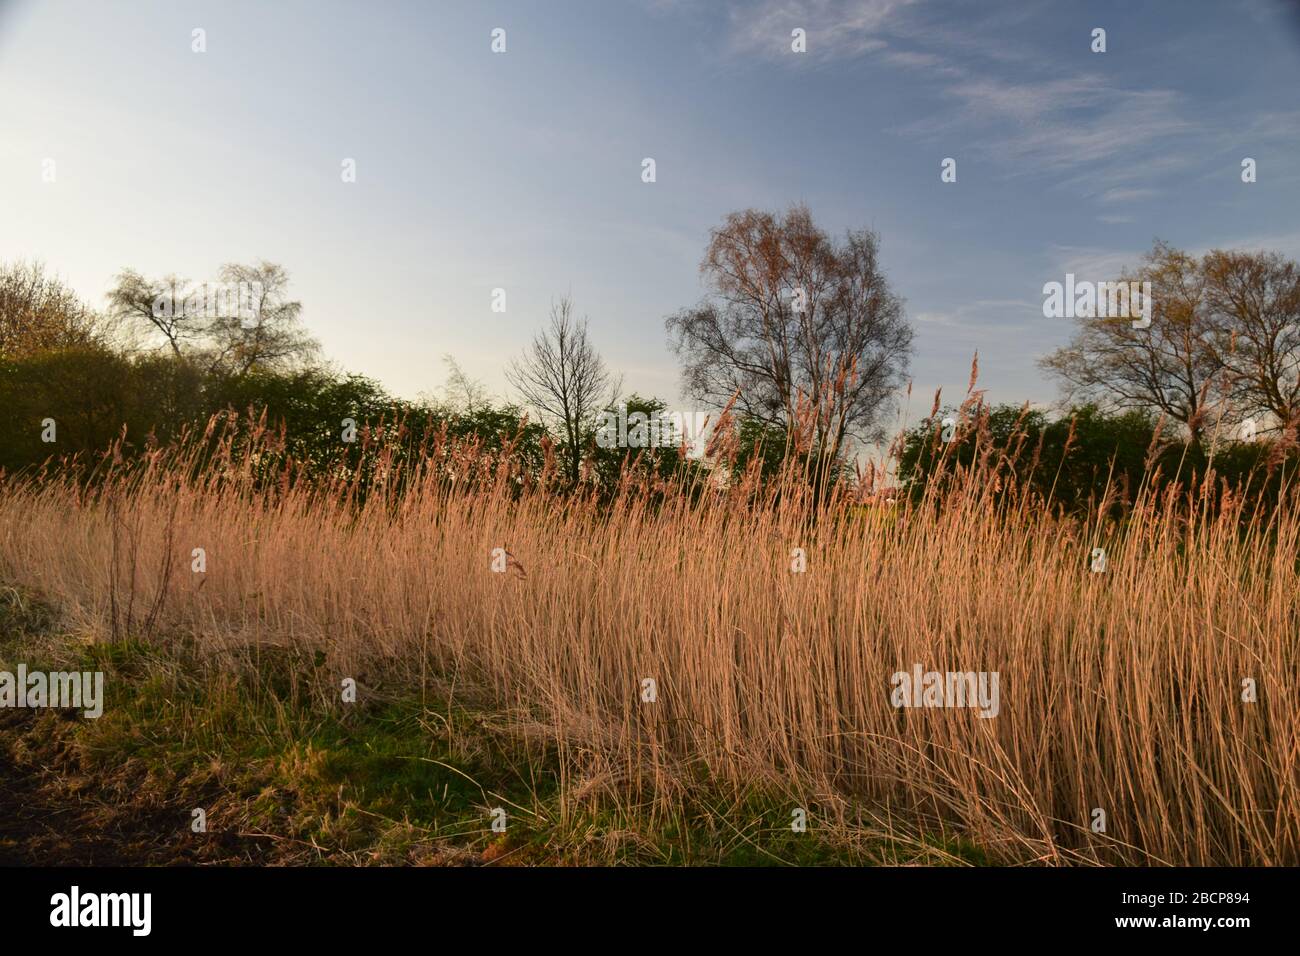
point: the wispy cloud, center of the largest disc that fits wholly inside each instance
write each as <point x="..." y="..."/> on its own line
<point x="1010" y="105"/>
<point x="984" y="315"/>
<point x="836" y="28"/>
<point x="1092" y="264"/>
<point x="1128" y="195"/>
<point x="1076" y="125"/>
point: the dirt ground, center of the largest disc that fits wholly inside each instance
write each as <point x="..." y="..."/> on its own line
<point x="51" y="814"/>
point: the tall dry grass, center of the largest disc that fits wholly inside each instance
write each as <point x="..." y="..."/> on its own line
<point x="1119" y="690"/>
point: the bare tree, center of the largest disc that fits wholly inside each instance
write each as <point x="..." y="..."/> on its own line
<point x="795" y="322"/>
<point x="1254" y="299"/>
<point x="272" y="336"/>
<point x="564" y="379"/>
<point x="38" y="312"/>
<point x="138" y="304"/>
<point x="243" y="321"/>
<point x="462" y="392"/>
<point x="1172" y="366"/>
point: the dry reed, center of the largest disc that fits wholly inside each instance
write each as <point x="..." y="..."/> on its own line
<point x="1119" y="690"/>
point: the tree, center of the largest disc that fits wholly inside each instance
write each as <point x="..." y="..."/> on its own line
<point x="655" y="441"/>
<point x="132" y="301"/>
<point x="271" y="337"/>
<point x="243" y="321"/>
<point x="802" y="330"/>
<point x="38" y="312"/>
<point x="1254" y="299"/>
<point x="1081" y="458"/>
<point x="561" y="375"/>
<point x="1172" y="366"/>
<point x="84" y="389"/>
<point x="462" y="393"/>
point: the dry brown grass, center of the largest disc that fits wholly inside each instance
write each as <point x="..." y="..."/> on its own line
<point x="1119" y="690"/>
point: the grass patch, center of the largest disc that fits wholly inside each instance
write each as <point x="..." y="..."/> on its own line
<point x="286" y="774"/>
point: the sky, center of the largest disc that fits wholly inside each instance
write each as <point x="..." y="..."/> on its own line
<point x="522" y="170"/>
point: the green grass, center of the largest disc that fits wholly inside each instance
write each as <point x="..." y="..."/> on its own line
<point x="273" y="756"/>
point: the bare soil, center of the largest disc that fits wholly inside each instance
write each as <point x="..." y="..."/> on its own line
<point x="52" y="813"/>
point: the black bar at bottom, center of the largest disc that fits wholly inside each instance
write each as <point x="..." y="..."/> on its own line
<point x="335" y="905"/>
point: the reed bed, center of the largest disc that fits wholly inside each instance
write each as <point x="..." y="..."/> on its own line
<point x="1120" y="690"/>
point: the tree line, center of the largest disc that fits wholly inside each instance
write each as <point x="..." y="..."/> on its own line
<point x="797" y="347"/>
<point x="1222" y="350"/>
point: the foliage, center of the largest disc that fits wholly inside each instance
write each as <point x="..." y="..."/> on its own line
<point x="1083" y="458"/>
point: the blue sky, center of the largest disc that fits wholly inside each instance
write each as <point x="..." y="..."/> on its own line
<point x="522" y="170"/>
